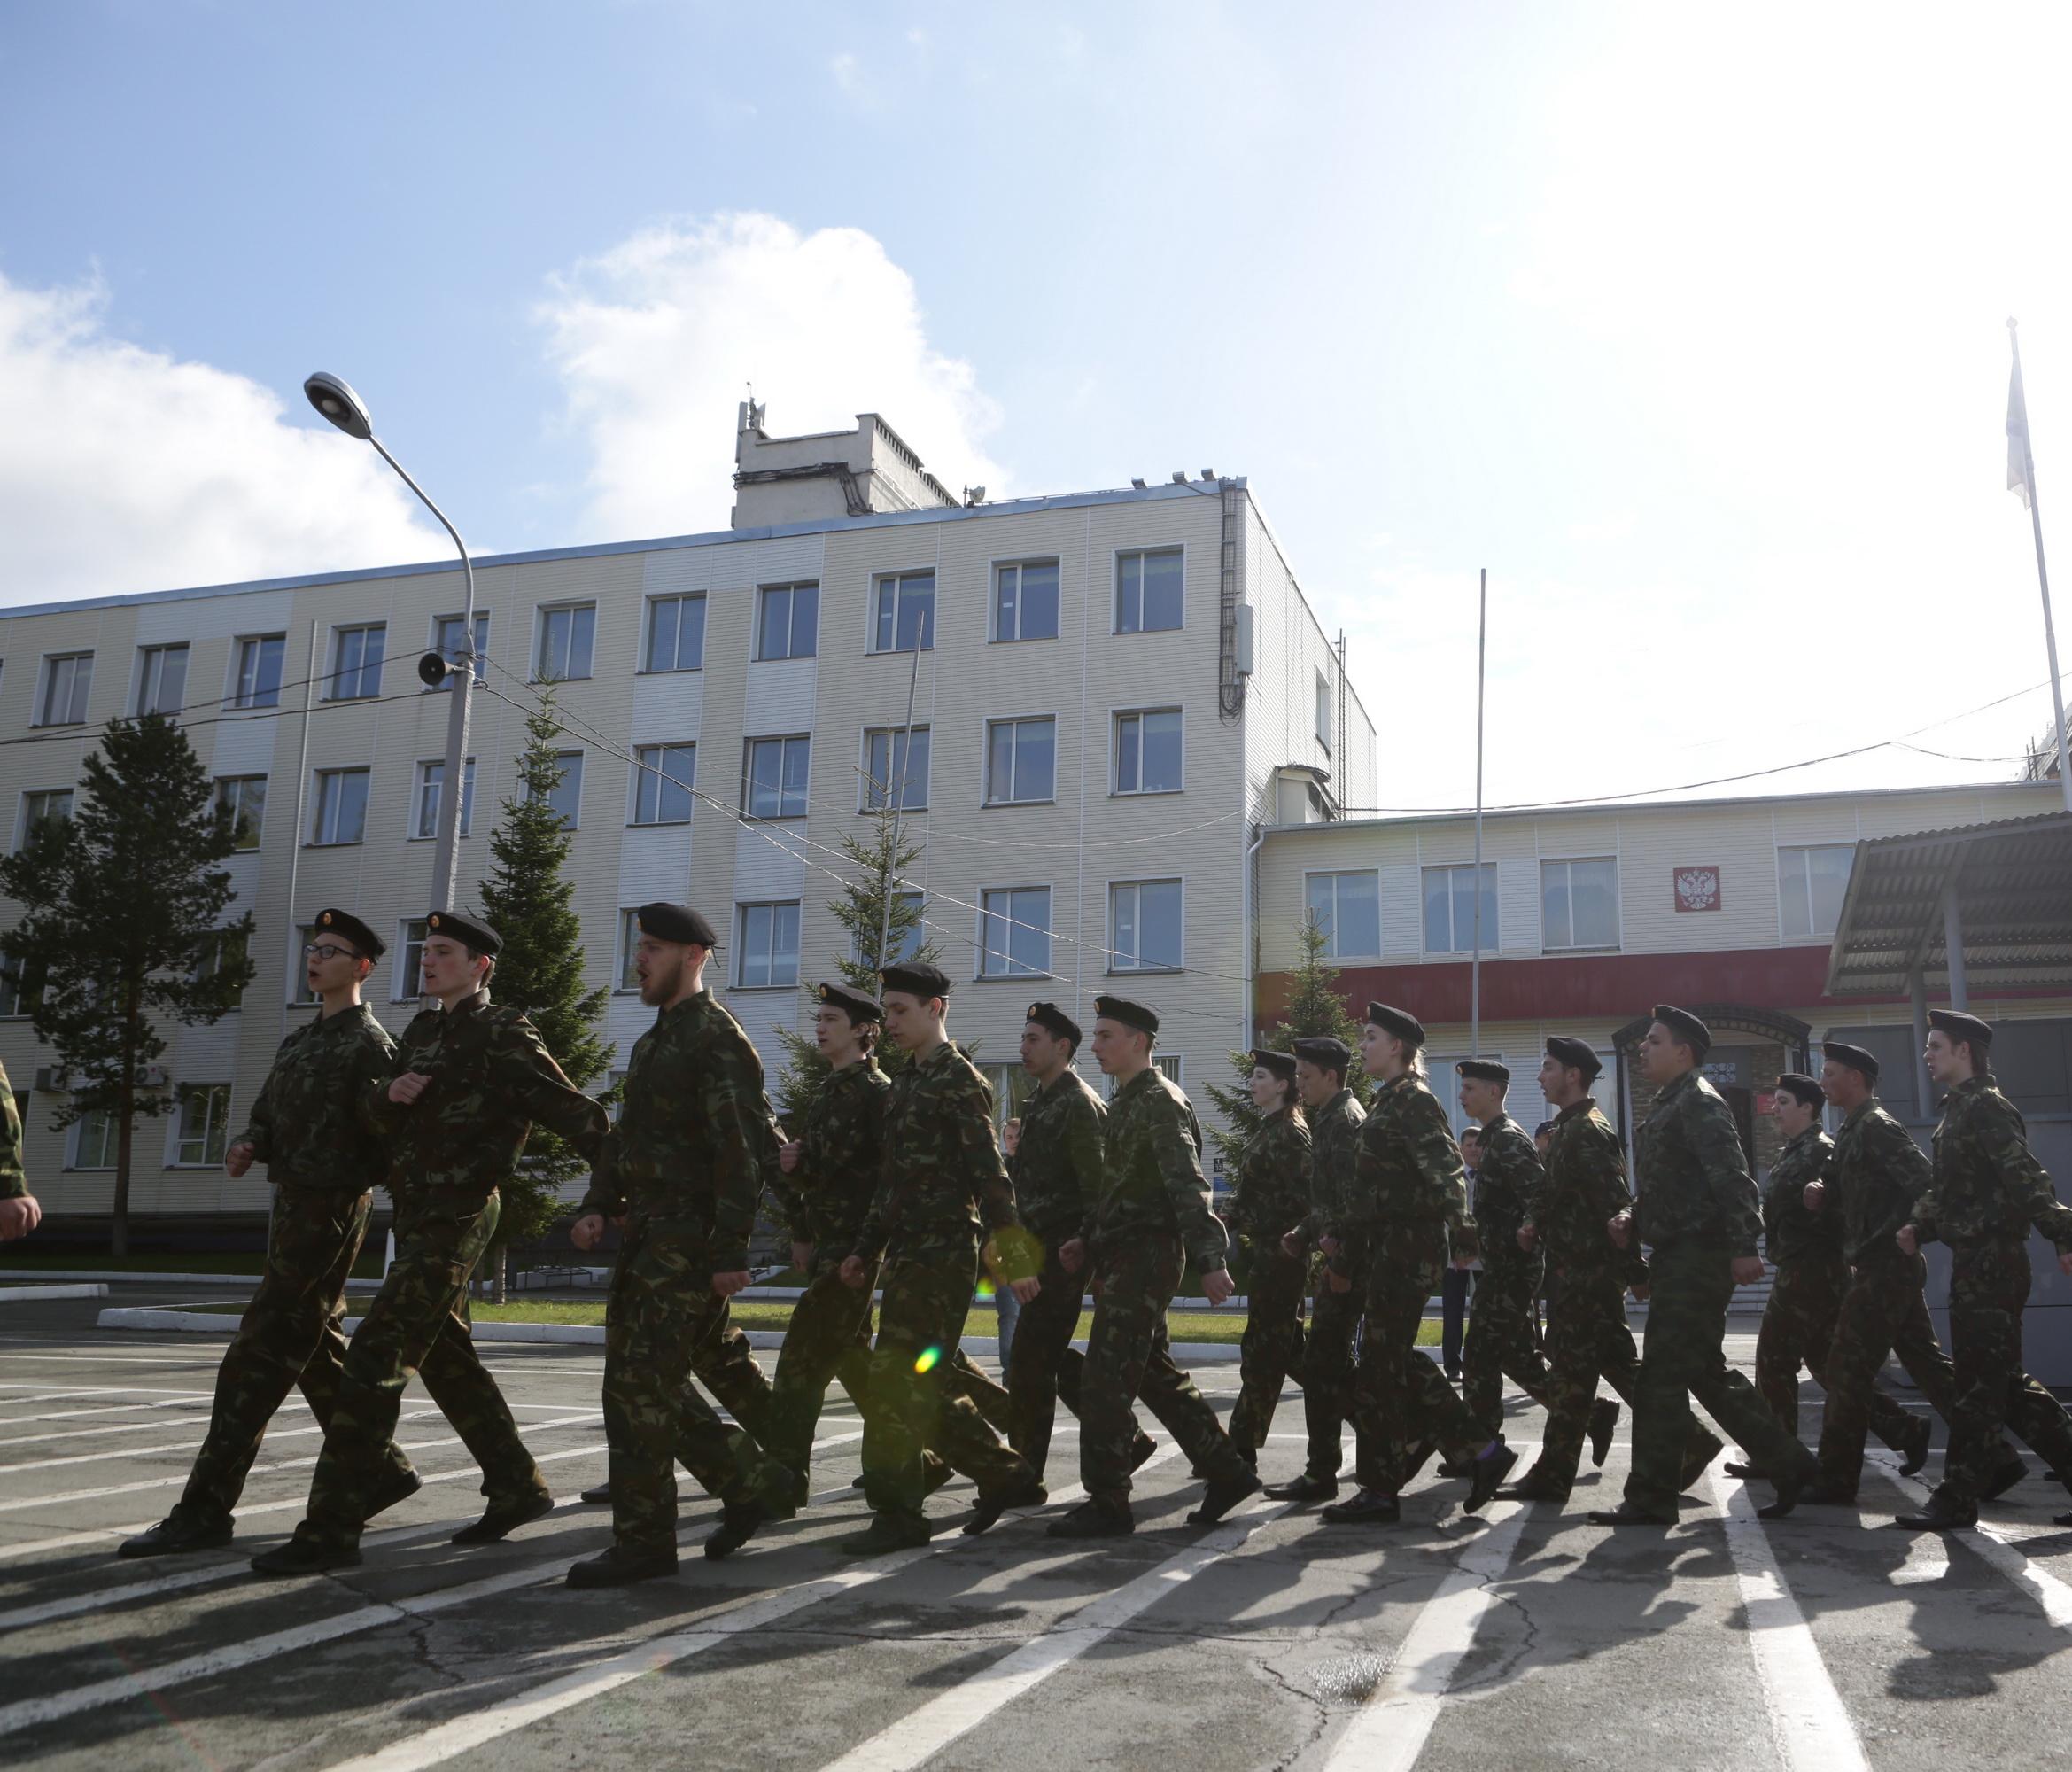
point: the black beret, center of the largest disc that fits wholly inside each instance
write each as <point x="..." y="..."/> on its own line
<point x="1130" y="1015"/>
<point x="917" y="978"/>
<point x="1055" y="1022"/>
<point x="1486" y="1069"/>
<point x="465" y="930"/>
<point x="675" y="923"/>
<point x="1567" y="1051"/>
<point x="1321" y="1049"/>
<point x="1798" y="1085"/>
<point x="857" y="1006"/>
<point x="1403" y="1026"/>
<point x="1961" y="1026"/>
<point x="1281" y="1064"/>
<point x="1686" y="1027"/>
<point x="344" y="923"/>
<point x="1855" y="1057"/>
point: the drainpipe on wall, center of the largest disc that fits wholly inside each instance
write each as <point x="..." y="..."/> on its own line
<point x="1250" y="950"/>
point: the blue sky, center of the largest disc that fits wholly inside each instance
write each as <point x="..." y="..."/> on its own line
<point x="1693" y="338"/>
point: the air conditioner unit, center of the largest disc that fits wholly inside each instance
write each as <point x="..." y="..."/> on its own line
<point x="52" y="1080"/>
<point x="153" y="1077"/>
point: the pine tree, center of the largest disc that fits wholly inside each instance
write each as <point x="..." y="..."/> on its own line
<point x="1316" y="1008"/>
<point x="529" y="900"/>
<point x="123" y="924"/>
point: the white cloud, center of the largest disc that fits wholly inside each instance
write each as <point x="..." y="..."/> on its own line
<point x="656" y="341"/>
<point x="125" y="469"/>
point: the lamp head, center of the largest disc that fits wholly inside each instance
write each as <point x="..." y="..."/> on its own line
<point x="336" y="401"/>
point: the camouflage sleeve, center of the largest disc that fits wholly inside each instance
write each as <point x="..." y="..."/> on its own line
<point x="604" y="1196"/>
<point x="1086" y="1152"/>
<point x="744" y="1133"/>
<point x="259" y="1123"/>
<point x="1175" y="1144"/>
<point x="1442" y="1177"/>
<point x="971" y="1106"/>
<point x="876" y="1229"/>
<point x="527" y="1070"/>
<point x="1892" y="1153"/>
<point x="14" y="1177"/>
<point x="1601" y="1161"/>
<point x="1710" y="1123"/>
<point x="2026" y="1180"/>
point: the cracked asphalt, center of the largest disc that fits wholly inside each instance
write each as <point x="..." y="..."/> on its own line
<point x="1521" y="1639"/>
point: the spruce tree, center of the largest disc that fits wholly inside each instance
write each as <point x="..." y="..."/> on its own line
<point x="122" y="925"/>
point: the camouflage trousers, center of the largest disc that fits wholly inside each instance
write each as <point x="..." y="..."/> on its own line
<point x="1690" y="1285"/>
<point x="416" y="1324"/>
<point x="291" y="1334"/>
<point x="1798" y="1329"/>
<point x="662" y="1306"/>
<point x="1045" y="1368"/>
<point x="1328" y="1365"/>
<point x="1130" y="1354"/>
<point x="1271" y="1348"/>
<point x="1401" y="1399"/>
<point x="1503" y="1340"/>
<point x="1989" y="1288"/>
<point x="912" y="1410"/>
<point x="828" y="1338"/>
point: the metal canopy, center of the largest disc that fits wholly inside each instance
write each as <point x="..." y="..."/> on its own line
<point x="2006" y="890"/>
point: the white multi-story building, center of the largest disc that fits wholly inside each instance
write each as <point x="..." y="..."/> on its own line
<point x="1108" y="694"/>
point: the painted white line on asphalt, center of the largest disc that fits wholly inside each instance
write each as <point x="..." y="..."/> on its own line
<point x="14" y="1440"/>
<point x="1928" y="1559"/>
<point x="53" y="1394"/>
<point x="208" y="1357"/>
<point x="1808" y="1722"/>
<point x="2002" y="1551"/>
<point x="1389" y="1731"/>
<point x="181" y="1446"/>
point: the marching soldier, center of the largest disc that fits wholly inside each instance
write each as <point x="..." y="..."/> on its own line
<point x="685" y="1168"/>
<point x="469" y="1081"/>
<point x="1699" y="1212"/>
<point x="1271" y="1201"/>
<point x="1411" y="1202"/>
<point x="941" y="1184"/>
<point x="20" y="1213"/>
<point x="1151" y="1218"/>
<point x="323" y="1159"/>
<point x="1987" y="1191"/>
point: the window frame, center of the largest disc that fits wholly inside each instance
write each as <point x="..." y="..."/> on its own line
<point x="47" y="688"/>
<point x="1119" y="555"/>
<point x="543" y="619"/>
<point x="1326" y="712"/>
<point x="790" y="590"/>
<point x="1569" y="862"/>
<point x="1115" y="788"/>
<point x="405" y="975"/>
<point x="1009" y="920"/>
<point x="433" y="644"/>
<point x="236" y="697"/>
<point x="219" y="1133"/>
<point x="26" y="821"/>
<point x="867" y="781"/>
<point x="873" y="615"/>
<point x="237" y="813"/>
<point x="1112" y="964"/>
<point x="311" y="840"/>
<point x="740" y="923"/>
<point x="332" y="678"/>
<point x="780" y="738"/>
<point x="648" y="760"/>
<point x="572" y="765"/>
<point x="21" y="985"/>
<point x="1018" y="565"/>
<point x="74" y="1147"/>
<point x="1805" y="850"/>
<point x="1334" y="875"/>
<point x="157" y="654"/>
<point x="986" y="796"/>
<point x="627" y="981"/>
<point x="415" y="833"/>
<point x="649" y="667"/>
<point x="1492" y="936"/>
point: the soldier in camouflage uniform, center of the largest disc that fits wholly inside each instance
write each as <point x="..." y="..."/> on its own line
<point x="1503" y="1329"/>
<point x="1810" y="1277"/>
<point x="1151" y="1216"/>
<point x="1699" y="1212"/>
<point x="1271" y="1201"/>
<point x="1987" y="1191"/>
<point x="1409" y="1207"/>
<point x="471" y="1079"/>
<point x="20" y="1212"/>
<point x="323" y="1160"/>
<point x="941" y="1184"/>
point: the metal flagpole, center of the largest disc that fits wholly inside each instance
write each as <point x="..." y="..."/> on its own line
<point x="2043" y="578"/>
<point x="1475" y="966"/>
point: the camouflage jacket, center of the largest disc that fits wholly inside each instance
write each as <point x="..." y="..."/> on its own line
<point x="1272" y="1196"/>
<point x="1582" y="1190"/>
<point x="1334" y="1163"/>
<point x="1056" y="1167"/>
<point x="1693" y="1182"/>
<point x="1506" y="1181"/>
<point x="1151" y="1179"/>
<point x="455" y="1146"/>
<point x="695" y="1139"/>
<point x="1411" y="1182"/>
<point x="842" y="1154"/>
<point x="1876" y="1175"/>
<point x="1988" y="1185"/>
<point x="14" y="1177"/>
<point x="941" y="1180"/>
<point x="307" y="1124"/>
<point x="1790" y="1233"/>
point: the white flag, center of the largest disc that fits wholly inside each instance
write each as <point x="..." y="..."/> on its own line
<point x="2017" y="437"/>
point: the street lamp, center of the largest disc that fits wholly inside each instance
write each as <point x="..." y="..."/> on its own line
<point x="336" y="401"/>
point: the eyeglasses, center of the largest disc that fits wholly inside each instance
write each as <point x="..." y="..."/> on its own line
<point x="324" y="951"/>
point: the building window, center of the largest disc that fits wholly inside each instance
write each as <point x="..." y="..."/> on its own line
<point x="566" y="795"/>
<point x="40" y="805"/>
<point x="1347" y="909"/>
<point x="223" y="949"/>
<point x="424" y="803"/>
<point x="565" y="639"/>
<point x="1015" y="932"/>
<point x="895" y="769"/>
<point x="446" y="636"/>
<point x="1025" y="601"/>
<point x="1022" y="760"/>
<point x="1148" y="591"/>
<point x="1012" y="1086"/>
<point x="1449" y="909"/>
<point x="1811" y="883"/>
<point x="93" y="1140"/>
<point x="1579" y="903"/>
<point x="903" y="609"/>
<point x="629" y="942"/>
<point x="161" y="684"/>
<point x="1147" y="753"/>
<point x="341" y="806"/>
<point x="768" y="944"/>
<point x="1144" y="926"/>
<point x="1175" y="1066"/>
<point x="204" y="1112"/>
<point x="241" y="804"/>
<point x="676" y="634"/>
<point x="21" y="983"/>
<point x="663" y="776"/>
<point x="773" y="777"/>
<point x="408" y="981"/>
<point x="788" y="625"/>
<point x="356" y="661"/>
<point x="903" y="947"/>
<point x="1324" y="722"/>
<point x="68" y="679"/>
<point x="258" y="682"/>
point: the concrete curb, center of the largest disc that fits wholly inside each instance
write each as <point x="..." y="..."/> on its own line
<point x="31" y="1294"/>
